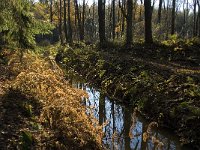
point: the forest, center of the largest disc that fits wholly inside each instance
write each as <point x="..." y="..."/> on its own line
<point x="100" y="74"/>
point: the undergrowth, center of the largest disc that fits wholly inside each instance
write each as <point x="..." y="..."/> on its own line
<point x="61" y="111"/>
<point x="167" y="96"/>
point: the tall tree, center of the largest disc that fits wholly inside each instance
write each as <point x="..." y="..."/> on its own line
<point x="60" y="22"/>
<point x="184" y="19"/>
<point x="102" y="116"/>
<point x="93" y="20"/>
<point x="123" y="16"/>
<point x="198" y="19"/>
<point x="194" y="18"/>
<point x="148" y="21"/>
<point x="135" y="6"/>
<point x="113" y="19"/>
<point x="101" y="14"/>
<point x="167" y="20"/>
<point x="109" y="10"/>
<point x="81" y="19"/>
<point x="78" y="16"/>
<point x="83" y="23"/>
<point x="160" y="10"/>
<point x="140" y="13"/>
<point x="69" y="23"/>
<point x="51" y="11"/>
<point x="173" y="17"/>
<point x="65" y="19"/>
<point x="129" y="22"/>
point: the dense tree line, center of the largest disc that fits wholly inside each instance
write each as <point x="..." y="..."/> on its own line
<point x="110" y="20"/>
<point x="131" y="20"/>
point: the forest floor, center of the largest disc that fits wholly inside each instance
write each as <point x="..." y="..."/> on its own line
<point x="40" y="110"/>
<point x="3" y="122"/>
<point x="162" y="81"/>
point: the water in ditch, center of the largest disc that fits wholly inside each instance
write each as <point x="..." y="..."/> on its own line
<point x="124" y="128"/>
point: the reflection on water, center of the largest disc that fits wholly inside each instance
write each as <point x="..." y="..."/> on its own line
<point x="120" y="132"/>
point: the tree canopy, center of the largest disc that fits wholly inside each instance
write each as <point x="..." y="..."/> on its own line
<point x="18" y="25"/>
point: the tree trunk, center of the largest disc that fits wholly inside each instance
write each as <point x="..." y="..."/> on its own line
<point x="159" y="11"/>
<point x="198" y="22"/>
<point x="148" y="23"/>
<point x="140" y="16"/>
<point x="93" y="21"/>
<point x="187" y="18"/>
<point x="76" y="33"/>
<point x="83" y="23"/>
<point x="127" y="126"/>
<point x="194" y="19"/>
<point x="110" y="22"/>
<point x="117" y="23"/>
<point x="102" y="116"/>
<point x="60" y="23"/>
<point x="129" y="22"/>
<point x="51" y="11"/>
<point x="167" y="20"/>
<point x="78" y="18"/>
<point x="134" y="10"/>
<point x="184" y="20"/>
<point x="65" y="20"/>
<point x="69" y="24"/>
<point x="173" y="17"/>
<point x="113" y="19"/>
<point x="123" y="17"/>
<point x="101" y="14"/>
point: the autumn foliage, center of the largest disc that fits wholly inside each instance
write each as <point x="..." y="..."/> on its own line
<point x="62" y="110"/>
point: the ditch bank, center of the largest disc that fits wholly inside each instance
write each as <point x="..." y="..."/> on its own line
<point x="40" y="109"/>
<point x="163" y="92"/>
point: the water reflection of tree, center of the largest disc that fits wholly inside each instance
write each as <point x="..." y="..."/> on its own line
<point x="101" y="109"/>
<point x="113" y="117"/>
<point x="119" y="122"/>
<point x="127" y="125"/>
<point x="119" y="126"/>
